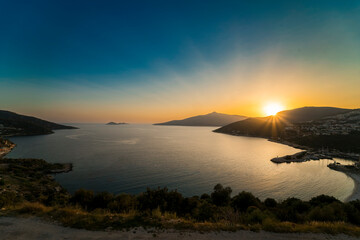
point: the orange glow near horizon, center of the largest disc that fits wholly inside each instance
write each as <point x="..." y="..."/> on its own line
<point x="240" y="87"/>
<point x="272" y="109"/>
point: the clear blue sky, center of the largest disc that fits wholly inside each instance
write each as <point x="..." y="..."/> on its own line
<point x="54" y="53"/>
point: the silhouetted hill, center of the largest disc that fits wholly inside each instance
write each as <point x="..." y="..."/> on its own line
<point x="266" y="127"/>
<point x="305" y="114"/>
<point x="16" y="124"/>
<point x="273" y="126"/>
<point x="211" y="119"/>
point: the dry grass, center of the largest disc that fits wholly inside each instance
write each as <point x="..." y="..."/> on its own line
<point x="101" y="219"/>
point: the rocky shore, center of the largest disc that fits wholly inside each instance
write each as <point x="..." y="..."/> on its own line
<point x="5" y="147"/>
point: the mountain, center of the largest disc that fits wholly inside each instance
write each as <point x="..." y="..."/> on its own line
<point x="211" y="119"/>
<point x="15" y="124"/>
<point x="274" y="126"/>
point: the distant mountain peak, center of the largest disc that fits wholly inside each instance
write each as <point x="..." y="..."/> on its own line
<point x="210" y="119"/>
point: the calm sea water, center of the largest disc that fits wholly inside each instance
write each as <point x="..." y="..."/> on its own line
<point x="129" y="158"/>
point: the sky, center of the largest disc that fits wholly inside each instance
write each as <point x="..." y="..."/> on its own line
<point x="153" y="61"/>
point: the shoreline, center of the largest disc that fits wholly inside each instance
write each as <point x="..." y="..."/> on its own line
<point x="351" y="172"/>
<point x="355" y="195"/>
<point x="9" y="146"/>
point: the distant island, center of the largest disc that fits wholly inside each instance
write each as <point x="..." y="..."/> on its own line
<point x="13" y="124"/>
<point x="114" y="123"/>
<point x="211" y="119"/>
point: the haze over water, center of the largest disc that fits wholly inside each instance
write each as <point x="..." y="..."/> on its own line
<point x="129" y="158"/>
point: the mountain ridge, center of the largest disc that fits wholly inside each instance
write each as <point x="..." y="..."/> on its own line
<point x="210" y="119"/>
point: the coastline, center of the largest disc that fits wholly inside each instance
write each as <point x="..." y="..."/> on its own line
<point x="9" y="146"/>
<point x="307" y="156"/>
<point x="355" y="195"/>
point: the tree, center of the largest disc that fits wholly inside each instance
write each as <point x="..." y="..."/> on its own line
<point x="221" y="195"/>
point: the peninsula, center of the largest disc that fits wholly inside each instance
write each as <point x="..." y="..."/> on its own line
<point x="13" y="124"/>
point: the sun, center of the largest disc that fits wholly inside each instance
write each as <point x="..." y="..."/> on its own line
<point x="272" y="109"/>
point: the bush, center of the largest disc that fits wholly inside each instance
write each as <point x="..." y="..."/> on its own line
<point x="221" y="195"/>
<point x="329" y="213"/>
<point x="270" y="203"/>
<point x="84" y="198"/>
<point x="123" y="203"/>
<point x="244" y="200"/>
<point x="322" y="200"/>
<point x="8" y="199"/>
<point x="255" y="215"/>
<point x="353" y="214"/>
<point x="162" y="198"/>
<point x="102" y="200"/>
<point x="190" y="206"/>
<point x="206" y="211"/>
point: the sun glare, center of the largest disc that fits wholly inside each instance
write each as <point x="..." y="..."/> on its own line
<point x="272" y="109"/>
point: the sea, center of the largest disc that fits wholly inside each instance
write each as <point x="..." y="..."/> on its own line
<point x="192" y="160"/>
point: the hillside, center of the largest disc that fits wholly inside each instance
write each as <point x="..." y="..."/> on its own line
<point x="341" y="132"/>
<point x="273" y="126"/>
<point x="305" y="114"/>
<point x="312" y="127"/>
<point x="13" y="124"/>
<point x="267" y="127"/>
<point x="211" y="119"/>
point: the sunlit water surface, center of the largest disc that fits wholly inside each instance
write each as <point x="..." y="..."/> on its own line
<point x="129" y="158"/>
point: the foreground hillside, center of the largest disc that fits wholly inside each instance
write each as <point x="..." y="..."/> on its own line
<point x="13" y="124"/>
<point x="211" y="119"/>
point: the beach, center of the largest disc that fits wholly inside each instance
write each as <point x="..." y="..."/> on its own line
<point x="356" y="192"/>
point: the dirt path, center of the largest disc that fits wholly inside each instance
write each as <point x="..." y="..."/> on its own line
<point x="36" y="229"/>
